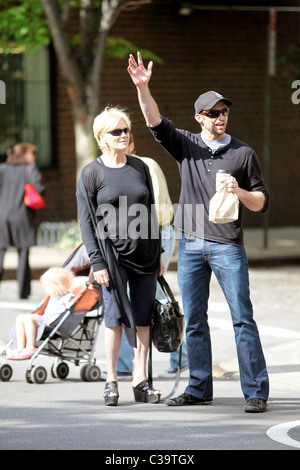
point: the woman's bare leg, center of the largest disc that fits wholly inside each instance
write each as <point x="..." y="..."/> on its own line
<point x="141" y="353"/>
<point x="113" y="339"/>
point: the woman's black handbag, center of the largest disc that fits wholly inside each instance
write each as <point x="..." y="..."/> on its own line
<point x="167" y="323"/>
<point x="167" y="329"/>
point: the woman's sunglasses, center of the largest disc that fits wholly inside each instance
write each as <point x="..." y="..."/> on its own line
<point x="118" y="132"/>
<point x="215" y="113"/>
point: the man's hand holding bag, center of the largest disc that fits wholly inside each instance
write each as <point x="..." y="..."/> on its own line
<point x="223" y="206"/>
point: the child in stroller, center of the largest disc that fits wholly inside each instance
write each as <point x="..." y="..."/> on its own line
<point x="71" y="337"/>
<point x="29" y="328"/>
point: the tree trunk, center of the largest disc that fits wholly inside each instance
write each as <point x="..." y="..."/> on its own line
<point x="85" y="143"/>
<point x="83" y="75"/>
<point x="83" y="94"/>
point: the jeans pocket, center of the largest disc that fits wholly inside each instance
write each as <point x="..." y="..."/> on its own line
<point x="191" y="243"/>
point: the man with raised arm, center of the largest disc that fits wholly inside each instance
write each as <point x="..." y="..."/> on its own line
<point x="207" y="247"/>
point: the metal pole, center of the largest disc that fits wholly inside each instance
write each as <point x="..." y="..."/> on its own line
<point x="271" y="70"/>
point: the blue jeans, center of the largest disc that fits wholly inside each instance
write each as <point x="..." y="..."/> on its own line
<point x="197" y="260"/>
<point x="126" y="356"/>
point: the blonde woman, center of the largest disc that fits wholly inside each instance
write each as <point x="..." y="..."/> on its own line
<point x="29" y="328"/>
<point x="121" y="235"/>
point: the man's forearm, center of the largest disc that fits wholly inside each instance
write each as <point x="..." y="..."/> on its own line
<point x="254" y="200"/>
<point x="148" y="106"/>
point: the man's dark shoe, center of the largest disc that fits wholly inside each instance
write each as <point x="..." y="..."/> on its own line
<point x="187" y="399"/>
<point x="256" y="405"/>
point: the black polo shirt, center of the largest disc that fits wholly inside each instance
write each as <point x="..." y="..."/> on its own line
<point x="198" y="168"/>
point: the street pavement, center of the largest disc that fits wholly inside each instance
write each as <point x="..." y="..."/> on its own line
<point x="70" y="414"/>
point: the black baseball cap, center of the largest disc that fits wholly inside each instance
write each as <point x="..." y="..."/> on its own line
<point x="208" y="100"/>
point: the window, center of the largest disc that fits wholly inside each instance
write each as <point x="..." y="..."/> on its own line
<point x="26" y="116"/>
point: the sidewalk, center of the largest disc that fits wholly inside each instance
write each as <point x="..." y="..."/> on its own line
<point x="283" y="248"/>
<point x="74" y="409"/>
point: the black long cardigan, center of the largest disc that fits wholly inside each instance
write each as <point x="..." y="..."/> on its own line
<point x="122" y="304"/>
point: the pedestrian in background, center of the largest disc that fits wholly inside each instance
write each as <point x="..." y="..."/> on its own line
<point x="17" y="221"/>
<point x="206" y="247"/>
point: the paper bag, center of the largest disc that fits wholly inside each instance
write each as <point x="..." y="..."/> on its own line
<point x="223" y="206"/>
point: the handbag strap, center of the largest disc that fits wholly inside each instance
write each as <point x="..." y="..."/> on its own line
<point x="166" y="288"/>
<point x="177" y="378"/>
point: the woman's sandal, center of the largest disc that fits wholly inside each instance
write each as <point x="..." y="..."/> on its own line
<point x="144" y="392"/>
<point x="111" y="393"/>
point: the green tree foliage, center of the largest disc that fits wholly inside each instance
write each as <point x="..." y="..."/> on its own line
<point x="23" y="24"/>
<point x="32" y="24"/>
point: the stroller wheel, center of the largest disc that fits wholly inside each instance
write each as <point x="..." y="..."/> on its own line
<point x="93" y="373"/>
<point x="5" y="373"/>
<point x="40" y="375"/>
<point x="28" y="377"/>
<point x="90" y="373"/>
<point x="82" y="373"/>
<point x="62" y="370"/>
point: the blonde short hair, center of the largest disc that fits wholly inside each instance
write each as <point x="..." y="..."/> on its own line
<point x="107" y="120"/>
<point x="57" y="281"/>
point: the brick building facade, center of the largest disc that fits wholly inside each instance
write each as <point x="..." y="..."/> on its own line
<point x="221" y="50"/>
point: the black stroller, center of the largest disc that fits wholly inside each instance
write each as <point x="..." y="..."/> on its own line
<point x="72" y="337"/>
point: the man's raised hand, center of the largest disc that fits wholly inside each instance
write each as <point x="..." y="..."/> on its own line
<point x="139" y="74"/>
